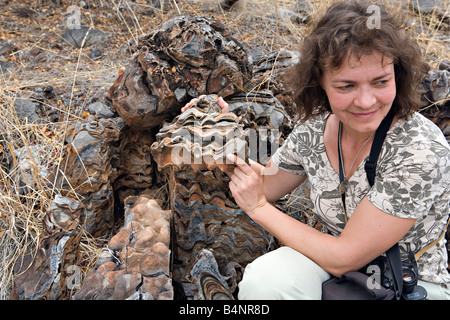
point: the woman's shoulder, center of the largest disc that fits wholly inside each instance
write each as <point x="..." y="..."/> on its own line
<point x="416" y="146"/>
<point x="315" y="124"/>
<point x="417" y="129"/>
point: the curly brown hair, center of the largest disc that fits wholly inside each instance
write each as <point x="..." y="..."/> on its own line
<point x="344" y="27"/>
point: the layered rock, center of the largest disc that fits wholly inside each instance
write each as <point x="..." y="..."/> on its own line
<point x="436" y="99"/>
<point x="209" y="228"/>
<point x="136" y="263"/>
<point x="185" y="57"/>
<point x="268" y="71"/>
<point x="57" y="256"/>
<point x="89" y="170"/>
<point x="200" y="138"/>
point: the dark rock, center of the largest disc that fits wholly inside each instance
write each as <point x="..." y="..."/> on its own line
<point x="84" y="36"/>
<point x="227" y="4"/>
<point x="26" y="109"/>
<point x="96" y="54"/>
<point x="88" y="169"/>
<point x="7" y="49"/>
<point x="45" y="273"/>
<point x="444" y="65"/>
<point x="5" y="66"/>
<point x="100" y="109"/>
<point x="182" y="59"/>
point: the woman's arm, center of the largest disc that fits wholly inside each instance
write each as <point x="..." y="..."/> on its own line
<point x="276" y="182"/>
<point x="369" y="233"/>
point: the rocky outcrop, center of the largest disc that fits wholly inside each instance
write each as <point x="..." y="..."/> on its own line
<point x="208" y="226"/>
<point x="135" y="264"/>
<point x="184" y="58"/>
<point x="436" y="99"/>
<point x="57" y="254"/>
<point x="89" y="170"/>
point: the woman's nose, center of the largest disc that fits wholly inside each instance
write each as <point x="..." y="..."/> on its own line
<point x="365" y="98"/>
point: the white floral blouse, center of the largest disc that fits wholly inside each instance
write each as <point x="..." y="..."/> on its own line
<point x="412" y="181"/>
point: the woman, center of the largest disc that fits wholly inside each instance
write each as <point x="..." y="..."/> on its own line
<point x="348" y="79"/>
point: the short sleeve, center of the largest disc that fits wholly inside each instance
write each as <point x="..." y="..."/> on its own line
<point x="288" y="156"/>
<point x="410" y="180"/>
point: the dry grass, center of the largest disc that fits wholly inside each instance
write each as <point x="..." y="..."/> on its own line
<point x="256" y="23"/>
<point x="21" y="215"/>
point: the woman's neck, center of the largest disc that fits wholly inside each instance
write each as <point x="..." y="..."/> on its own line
<point x="354" y="139"/>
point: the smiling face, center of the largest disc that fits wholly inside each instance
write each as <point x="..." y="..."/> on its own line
<point x="361" y="92"/>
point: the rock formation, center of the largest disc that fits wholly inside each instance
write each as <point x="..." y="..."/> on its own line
<point x="89" y="170"/>
<point x="208" y="226"/>
<point x="135" y="264"/>
<point x="436" y="99"/>
<point x="57" y="253"/>
<point x="184" y="58"/>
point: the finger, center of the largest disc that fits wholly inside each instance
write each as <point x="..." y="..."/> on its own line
<point x="239" y="173"/>
<point x="223" y="105"/>
<point x="258" y="168"/>
<point x="234" y="159"/>
<point x="190" y="103"/>
<point x="240" y="163"/>
<point x="232" y="187"/>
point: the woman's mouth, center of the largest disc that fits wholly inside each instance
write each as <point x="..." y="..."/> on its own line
<point x="364" y="115"/>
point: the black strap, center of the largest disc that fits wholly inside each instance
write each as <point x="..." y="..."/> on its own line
<point x="395" y="263"/>
<point x="377" y="143"/>
<point x="341" y="172"/>
<point x="371" y="164"/>
<point x="393" y="254"/>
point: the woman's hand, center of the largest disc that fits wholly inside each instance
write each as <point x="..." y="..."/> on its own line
<point x="246" y="185"/>
<point x="220" y="101"/>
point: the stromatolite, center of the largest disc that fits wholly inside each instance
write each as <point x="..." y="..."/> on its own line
<point x="200" y="138"/>
<point x="185" y="57"/>
<point x="89" y="171"/>
<point x="57" y="255"/>
<point x="268" y="71"/>
<point x="191" y="152"/>
<point x="436" y="99"/>
<point x="136" y="263"/>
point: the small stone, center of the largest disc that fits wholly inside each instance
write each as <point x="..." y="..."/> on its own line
<point x="100" y="109"/>
<point x="84" y="36"/>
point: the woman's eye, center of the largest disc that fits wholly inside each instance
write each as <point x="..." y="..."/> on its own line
<point x="346" y="87"/>
<point x="381" y="82"/>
